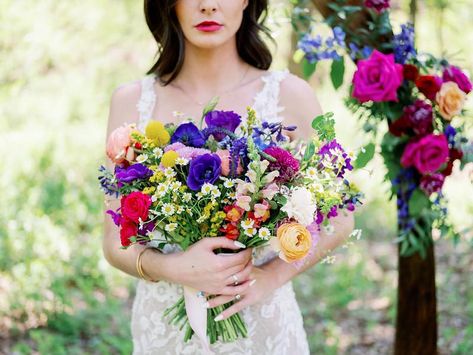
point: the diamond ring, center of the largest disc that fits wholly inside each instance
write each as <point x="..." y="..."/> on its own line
<point x="238" y="297"/>
<point x="235" y="279"/>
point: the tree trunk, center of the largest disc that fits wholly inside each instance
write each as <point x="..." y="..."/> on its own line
<point x="416" y="323"/>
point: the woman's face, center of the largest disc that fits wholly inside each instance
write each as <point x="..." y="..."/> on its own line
<point x="210" y="23"/>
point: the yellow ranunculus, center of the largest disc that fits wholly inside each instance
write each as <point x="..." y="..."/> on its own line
<point x="156" y="131"/>
<point x="168" y="160"/>
<point x="451" y="100"/>
<point x="293" y="241"/>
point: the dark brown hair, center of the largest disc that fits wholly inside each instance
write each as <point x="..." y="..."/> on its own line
<point x="163" y="24"/>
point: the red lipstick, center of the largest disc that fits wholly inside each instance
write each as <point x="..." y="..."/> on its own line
<point x="209" y="26"/>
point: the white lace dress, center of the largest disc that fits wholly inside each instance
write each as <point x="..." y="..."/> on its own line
<point x="274" y="326"/>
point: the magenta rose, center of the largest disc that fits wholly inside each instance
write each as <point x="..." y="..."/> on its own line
<point x="427" y="155"/>
<point x="135" y="206"/>
<point x="377" y="78"/>
<point x="456" y="75"/>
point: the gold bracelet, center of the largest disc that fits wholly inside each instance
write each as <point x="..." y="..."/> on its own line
<point x="139" y="267"/>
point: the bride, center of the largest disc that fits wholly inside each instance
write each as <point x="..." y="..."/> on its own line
<point x="213" y="48"/>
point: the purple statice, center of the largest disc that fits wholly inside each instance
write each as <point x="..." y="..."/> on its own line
<point x="337" y="156"/>
<point x="404" y="44"/>
<point x="131" y="173"/>
<point x="405" y="184"/>
<point x="432" y="183"/>
<point x="450" y="132"/>
<point x="223" y="120"/>
<point x="378" y="5"/>
<point x="203" y="169"/>
<point x="189" y="135"/>
<point x="317" y="48"/>
<point x="108" y="182"/>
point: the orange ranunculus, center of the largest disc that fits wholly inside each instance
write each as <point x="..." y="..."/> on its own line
<point x="450" y="100"/>
<point x="118" y="143"/>
<point x="293" y="241"/>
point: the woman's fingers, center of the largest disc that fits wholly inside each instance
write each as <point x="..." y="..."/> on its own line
<point x="218" y="301"/>
<point x="241" y="275"/>
<point x="233" y="309"/>
<point x="236" y="290"/>
<point x="223" y="242"/>
<point x="240" y="258"/>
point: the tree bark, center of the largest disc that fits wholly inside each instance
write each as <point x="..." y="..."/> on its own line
<point x="416" y="322"/>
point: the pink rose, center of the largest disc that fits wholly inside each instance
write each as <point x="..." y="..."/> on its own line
<point x="427" y="154"/>
<point x="377" y="78"/>
<point x="118" y="143"/>
<point x="225" y="158"/>
<point x="456" y="75"/>
<point x="135" y="206"/>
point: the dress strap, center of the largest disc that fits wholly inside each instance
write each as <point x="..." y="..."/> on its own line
<point x="266" y="102"/>
<point x="145" y="105"/>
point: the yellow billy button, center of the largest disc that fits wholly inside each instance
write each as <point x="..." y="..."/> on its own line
<point x="156" y="131"/>
<point x="168" y="160"/>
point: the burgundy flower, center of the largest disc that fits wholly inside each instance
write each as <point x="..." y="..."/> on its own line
<point x="454" y="154"/>
<point x="285" y="163"/>
<point x="411" y="72"/>
<point x="429" y="85"/>
<point x="432" y="183"/>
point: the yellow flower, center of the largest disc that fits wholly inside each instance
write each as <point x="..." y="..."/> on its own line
<point x="149" y="190"/>
<point x="293" y="241"/>
<point x="169" y="159"/>
<point x="451" y="100"/>
<point x="157" y="133"/>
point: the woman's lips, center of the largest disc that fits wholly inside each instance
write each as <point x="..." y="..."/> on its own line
<point x="208" y="26"/>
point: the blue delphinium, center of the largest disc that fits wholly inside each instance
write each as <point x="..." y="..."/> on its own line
<point x="404" y="46"/>
<point x="359" y="53"/>
<point x="108" y="182"/>
<point x="270" y="134"/>
<point x="316" y="48"/>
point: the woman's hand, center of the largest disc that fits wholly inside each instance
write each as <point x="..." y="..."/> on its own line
<point x="200" y="268"/>
<point x="263" y="284"/>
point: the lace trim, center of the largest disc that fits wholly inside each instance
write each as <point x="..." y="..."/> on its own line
<point x="147" y="101"/>
<point x="266" y="102"/>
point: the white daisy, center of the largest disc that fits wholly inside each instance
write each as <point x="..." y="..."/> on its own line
<point x="187" y="197"/>
<point x="158" y="152"/>
<point x="182" y="161"/>
<point x="169" y="172"/>
<point x="171" y="227"/>
<point x="206" y="188"/>
<point x="142" y="158"/>
<point x="264" y="233"/>
<point x="250" y="232"/>
<point x="176" y="185"/>
<point x="161" y="189"/>
<point x="168" y="209"/>
<point x="247" y="223"/>
<point x="229" y="184"/>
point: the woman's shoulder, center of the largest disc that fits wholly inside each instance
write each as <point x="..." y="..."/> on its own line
<point x="299" y="101"/>
<point x="123" y="103"/>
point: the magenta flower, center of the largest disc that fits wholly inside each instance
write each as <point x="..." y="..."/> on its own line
<point x="285" y="163"/>
<point x="378" y="5"/>
<point x="456" y="75"/>
<point x="377" y="78"/>
<point x="427" y="155"/>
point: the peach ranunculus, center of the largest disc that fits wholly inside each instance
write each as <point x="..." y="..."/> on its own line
<point x="118" y="143"/>
<point x="293" y="242"/>
<point x="225" y="158"/>
<point x="451" y="100"/>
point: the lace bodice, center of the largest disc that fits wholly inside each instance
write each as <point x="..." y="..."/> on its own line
<point x="274" y="326"/>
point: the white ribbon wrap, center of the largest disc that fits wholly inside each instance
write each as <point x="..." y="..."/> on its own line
<point x="197" y="315"/>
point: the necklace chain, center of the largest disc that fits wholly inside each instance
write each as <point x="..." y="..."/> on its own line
<point x="221" y="93"/>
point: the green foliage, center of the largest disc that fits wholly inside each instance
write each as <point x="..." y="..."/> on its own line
<point x="365" y="156"/>
<point x="337" y="72"/>
<point x="324" y="126"/>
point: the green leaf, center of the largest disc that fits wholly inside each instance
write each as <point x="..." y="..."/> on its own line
<point x="309" y="152"/>
<point x="337" y="72"/>
<point x="324" y="125"/>
<point x="308" y="68"/>
<point x="365" y="156"/>
<point x="418" y="202"/>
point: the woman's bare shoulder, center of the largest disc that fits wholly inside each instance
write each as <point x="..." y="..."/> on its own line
<point x="123" y="104"/>
<point x="300" y="103"/>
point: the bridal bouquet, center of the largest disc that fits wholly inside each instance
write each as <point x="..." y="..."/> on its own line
<point x="179" y="183"/>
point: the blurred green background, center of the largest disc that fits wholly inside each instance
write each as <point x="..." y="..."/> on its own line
<point x="59" y="63"/>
